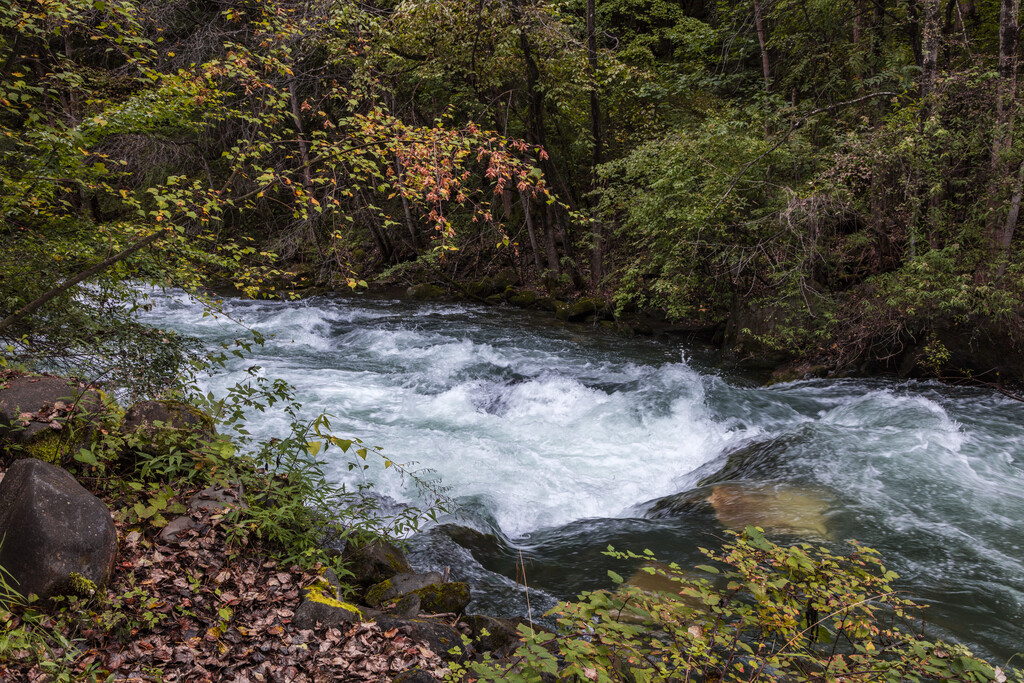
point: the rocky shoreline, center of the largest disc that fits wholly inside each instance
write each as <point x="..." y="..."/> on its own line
<point x="176" y="591"/>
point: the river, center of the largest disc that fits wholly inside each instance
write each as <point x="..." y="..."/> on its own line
<point x="557" y="441"/>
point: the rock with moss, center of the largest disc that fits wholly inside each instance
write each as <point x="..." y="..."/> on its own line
<point x="582" y="310"/>
<point x="444" y="598"/>
<point x="523" y="300"/>
<point x="159" y="427"/>
<point x="322" y="607"/>
<point x="374" y="561"/>
<point x="56" y="535"/>
<point x="47" y="418"/>
<point x="491" y="634"/>
<point x="481" y="289"/>
<point x="425" y="292"/>
<point x="546" y="303"/>
<point x="399" y="585"/>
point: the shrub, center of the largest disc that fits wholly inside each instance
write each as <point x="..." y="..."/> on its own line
<point x="769" y="613"/>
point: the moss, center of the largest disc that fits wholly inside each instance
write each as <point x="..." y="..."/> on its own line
<point x="81" y="586"/>
<point x="46" y="447"/>
<point x="444" y="597"/>
<point x="316" y="594"/>
<point x="375" y="595"/>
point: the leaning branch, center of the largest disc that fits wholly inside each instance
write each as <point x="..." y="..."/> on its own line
<point x="85" y="274"/>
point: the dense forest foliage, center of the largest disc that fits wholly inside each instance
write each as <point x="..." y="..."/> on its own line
<point x="840" y="180"/>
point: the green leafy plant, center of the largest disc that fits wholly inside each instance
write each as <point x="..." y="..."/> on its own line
<point x="766" y="613"/>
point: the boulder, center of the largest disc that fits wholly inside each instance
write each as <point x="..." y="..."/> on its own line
<point x="415" y="676"/>
<point x="322" y="606"/>
<point x="55" y="533"/>
<point x="47" y="418"/>
<point x="523" y="300"/>
<point x="157" y="427"/>
<point x="444" y="598"/>
<point x="482" y="289"/>
<point x="399" y="585"/>
<point x="435" y="634"/>
<point x="373" y="562"/>
<point x="425" y="292"/>
<point x="491" y="634"/>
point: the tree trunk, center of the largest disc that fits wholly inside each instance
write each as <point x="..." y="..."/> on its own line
<point x="535" y="132"/>
<point x="532" y="232"/>
<point x="596" y="256"/>
<point x="1002" y="219"/>
<point x="763" y="43"/>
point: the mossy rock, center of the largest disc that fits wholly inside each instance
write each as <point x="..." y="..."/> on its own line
<point x="546" y="303"/>
<point x="47" y="418"/>
<point x="506" y="278"/>
<point x="425" y="292"/>
<point x="444" y="598"/>
<point x="159" y="427"/>
<point x="583" y="310"/>
<point x="374" y="561"/>
<point x="523" y="300"/>
<point x="398" y="586"/>
<point x="482" y="289"/>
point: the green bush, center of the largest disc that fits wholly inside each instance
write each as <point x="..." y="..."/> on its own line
<point x="769" y="613"/>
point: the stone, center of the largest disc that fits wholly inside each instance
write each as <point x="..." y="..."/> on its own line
<point x="47" y="418"/>
<point x="322" y="605"/>
<point x="157" y="427"/>
<point x="584" y="310"/>
<point x="215" y="500"/>
<point x="399" y="585"/>
<point x="444" y="598"/>
<point x="425" y="292"/>
<point x="523" y="300"/>
<point x="176" y="528"/>
<point x="436" y="635"/>
<point x="491" y="634"/>
<point x="415" y="676"/>
<point x="482" y="289"/>
<point x="373" y="562"/>
<point x="324" y="612"/>
<point x="546" y="303"/>
<point x="52" y="529"/>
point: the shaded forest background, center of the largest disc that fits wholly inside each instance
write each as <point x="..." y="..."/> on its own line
<point x="839" y="181"/>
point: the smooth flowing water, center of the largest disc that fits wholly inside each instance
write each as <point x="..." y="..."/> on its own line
<point x="558" y="441"/>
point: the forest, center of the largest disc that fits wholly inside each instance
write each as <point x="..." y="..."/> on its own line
<point x="837" y="182"/>
<point x="819" y="188"/>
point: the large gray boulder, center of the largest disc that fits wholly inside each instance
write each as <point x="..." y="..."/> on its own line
<point x="57" y="537"/>
<point x="39" y="415"/>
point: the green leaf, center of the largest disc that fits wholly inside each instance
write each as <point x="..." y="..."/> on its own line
<point x="615" y="577"/>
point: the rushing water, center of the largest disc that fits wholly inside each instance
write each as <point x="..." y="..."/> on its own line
<point x="558" y="441"/>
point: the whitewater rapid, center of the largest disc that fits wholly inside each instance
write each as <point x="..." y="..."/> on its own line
<point x="558" y="440"/>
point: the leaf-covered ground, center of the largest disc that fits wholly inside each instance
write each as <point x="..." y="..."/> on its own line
<point x="199" y="610"/>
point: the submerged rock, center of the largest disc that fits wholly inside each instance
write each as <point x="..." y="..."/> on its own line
<point x="57" y="537"/>
<point x="425" y="292"/>
<point x="776" y="507"/>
